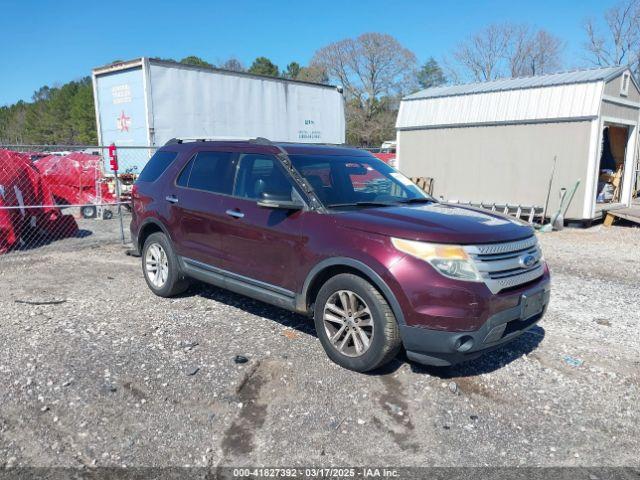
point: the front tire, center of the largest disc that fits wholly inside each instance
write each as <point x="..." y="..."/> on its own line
<point x="355" y="324"/>
<point x="160" y="267"/>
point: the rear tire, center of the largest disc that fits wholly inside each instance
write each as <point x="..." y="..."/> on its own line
<point x="160" y="267"/>
<point x="355" y="324"/>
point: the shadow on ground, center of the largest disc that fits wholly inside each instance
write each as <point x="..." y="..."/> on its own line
<point x="489" y="362"/>
<point x="255" y="307"/>
<point x="40" y="239"/>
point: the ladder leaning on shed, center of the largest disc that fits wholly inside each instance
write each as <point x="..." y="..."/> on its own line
<point x="521" y="212"/>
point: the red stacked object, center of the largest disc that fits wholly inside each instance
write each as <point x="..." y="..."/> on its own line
<point x="32" y="211"/>
<point x="75" y="179"/>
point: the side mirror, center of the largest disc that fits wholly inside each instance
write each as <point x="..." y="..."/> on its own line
<point x="279" y="200"/>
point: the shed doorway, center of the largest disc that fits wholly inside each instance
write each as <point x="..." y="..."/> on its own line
<point x="611" y="168"/>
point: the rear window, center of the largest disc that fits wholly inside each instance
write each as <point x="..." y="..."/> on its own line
<point x="156" y="166"/>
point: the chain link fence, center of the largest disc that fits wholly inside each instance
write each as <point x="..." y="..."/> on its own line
<point x="55" y="195"/>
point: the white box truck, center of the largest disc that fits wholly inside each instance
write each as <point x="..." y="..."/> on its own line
<point x="145" y="102"/>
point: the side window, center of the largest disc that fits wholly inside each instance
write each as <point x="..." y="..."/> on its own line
<point x="259" y="173"/>
<point x="212" y="171"/>
<point x="156" y="166"/>
<point x="183" y="178"/>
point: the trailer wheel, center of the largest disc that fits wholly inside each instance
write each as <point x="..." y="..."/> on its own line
<point x="89" y="211"/>
<point x="107" y="214"/>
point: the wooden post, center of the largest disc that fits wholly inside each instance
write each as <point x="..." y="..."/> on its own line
<point x="609" y="219"/>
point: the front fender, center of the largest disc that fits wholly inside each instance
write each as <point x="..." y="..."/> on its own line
<point x="361" y="267"/>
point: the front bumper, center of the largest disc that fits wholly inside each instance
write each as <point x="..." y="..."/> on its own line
<point x="444" y="348"/>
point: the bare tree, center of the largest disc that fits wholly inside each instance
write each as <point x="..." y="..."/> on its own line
<point x="375" y="70"/>
<point x="452" y="70"/>
<point x="506" y="49"/>
<point x="620" y="45"/>
<point x="532" y="53"/>
<point x="482" y="54"/>
<point x="368" y="67"/>
<point x="546" y="53"/>
<point x="519" y="49"/>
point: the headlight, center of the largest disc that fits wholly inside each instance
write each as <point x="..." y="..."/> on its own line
<point x="449" y="260"/>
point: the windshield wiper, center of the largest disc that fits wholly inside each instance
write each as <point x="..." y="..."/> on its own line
<point x="361" y="204"/>
<point x="418" y="200"/>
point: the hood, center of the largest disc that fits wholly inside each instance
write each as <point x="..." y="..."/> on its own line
<point x="436" y="222"/>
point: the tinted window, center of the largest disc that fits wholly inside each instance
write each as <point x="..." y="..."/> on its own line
<point x="183" y="178"/>
<point x="156" y="166"/>
<point x="346" y="180"/>
<point x="260" y="173"/>
<point x="213" y="172"/>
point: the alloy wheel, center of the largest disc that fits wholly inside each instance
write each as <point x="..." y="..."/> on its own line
<point x="156" y="265"/>
<point x="348" y="323"/>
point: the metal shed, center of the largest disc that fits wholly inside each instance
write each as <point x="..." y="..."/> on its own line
<point x="496" y="141"/>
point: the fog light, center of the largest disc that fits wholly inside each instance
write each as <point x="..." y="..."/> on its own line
<point x="464" y="343"/>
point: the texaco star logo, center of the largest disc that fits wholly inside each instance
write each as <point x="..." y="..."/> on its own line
<point x="123" y="122"/>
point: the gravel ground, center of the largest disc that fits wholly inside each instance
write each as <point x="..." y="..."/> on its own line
<point x="104" y="373"/>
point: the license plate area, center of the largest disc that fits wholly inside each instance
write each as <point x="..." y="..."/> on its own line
<point x="531" y="305"/>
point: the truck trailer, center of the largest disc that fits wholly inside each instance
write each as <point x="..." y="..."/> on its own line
<point x="146" y="102"/>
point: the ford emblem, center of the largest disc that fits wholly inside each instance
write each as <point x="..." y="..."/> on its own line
<point x="527" y="261"/>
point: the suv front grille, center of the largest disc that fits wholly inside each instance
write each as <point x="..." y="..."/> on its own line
<point x="502" y="265"/>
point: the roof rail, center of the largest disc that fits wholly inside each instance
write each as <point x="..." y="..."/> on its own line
<point x="258" y="140"/>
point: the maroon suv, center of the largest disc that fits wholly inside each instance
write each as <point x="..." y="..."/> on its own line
<point x="334" y="233"/>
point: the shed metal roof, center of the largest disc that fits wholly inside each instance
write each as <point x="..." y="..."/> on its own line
<point x="550" y="80"/>
<point x="560" y="97"/>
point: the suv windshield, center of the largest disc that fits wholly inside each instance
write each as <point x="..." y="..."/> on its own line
<point x="343" y="181"/>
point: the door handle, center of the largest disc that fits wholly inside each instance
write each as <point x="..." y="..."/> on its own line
<point x="235" y="213"/>
<point x="171" y="199"/>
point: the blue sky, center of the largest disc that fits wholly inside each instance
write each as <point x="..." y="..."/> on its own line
<point x="50" y="43"/>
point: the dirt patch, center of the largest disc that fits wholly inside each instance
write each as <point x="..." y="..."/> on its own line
<point x="239" y="439"/>
<point x="473" y="386"/>
<point x="394" y="404"/>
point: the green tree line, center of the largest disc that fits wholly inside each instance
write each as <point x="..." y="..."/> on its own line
<point x="56" y="115"/>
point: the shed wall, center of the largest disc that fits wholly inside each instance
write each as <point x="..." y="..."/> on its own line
<point x="623" y="112"/>
<point x="503" y="164"/>
<point x="612" y="88"/>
